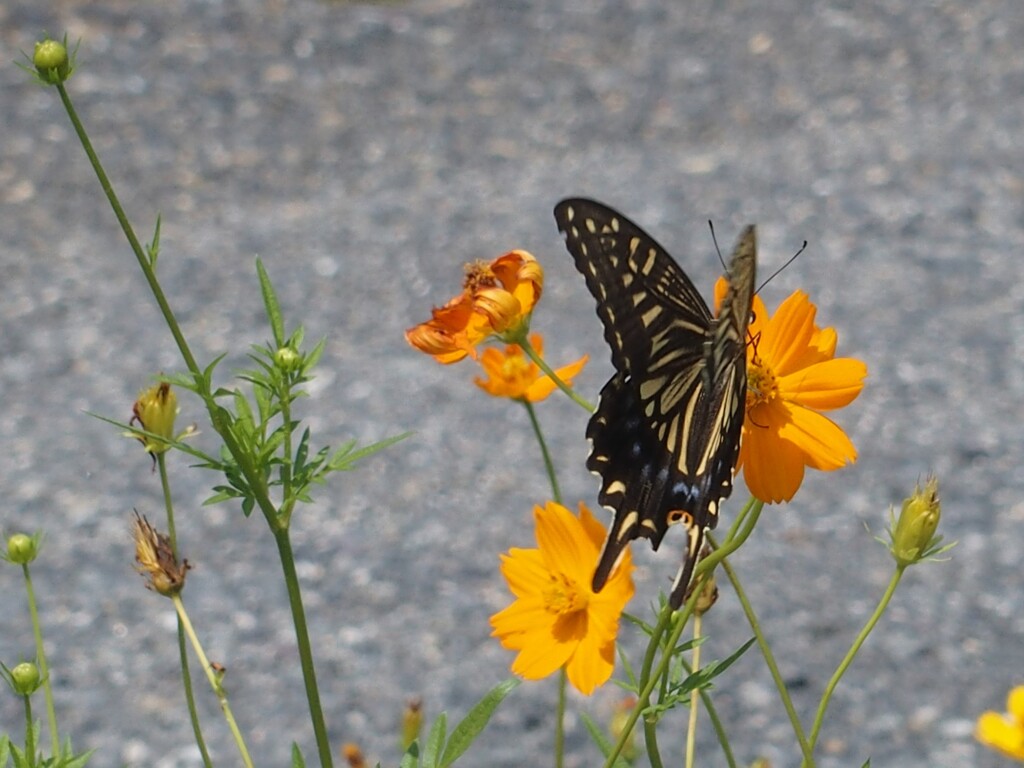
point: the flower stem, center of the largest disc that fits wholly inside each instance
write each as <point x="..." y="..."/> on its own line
<point x="769" y="658"/>
<point x="221" y="424"/>
<point x="862" y="636"/>
<point x="30" y="740"/>
<point x="716" y="721"/>
<point x="214" y="680"/>
<point x="556" y="493"/>
<point x="737" y="535"/>
<point x="560" y="720"/>
<point x="531" y="353"/>
<point x="691" y="730"/>
<point x="291" y="580"/>
<point x="186" y="675"/>
<point x="37" y="631"/>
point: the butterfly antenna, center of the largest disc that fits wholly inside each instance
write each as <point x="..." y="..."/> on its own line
<point x="718" y="250"/>
<point x="778" y="271"/>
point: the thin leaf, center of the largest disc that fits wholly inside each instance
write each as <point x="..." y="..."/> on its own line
<point x="298" y="761"/>
<point x="602" y="741"/>
<point x="346" y="461"/>
<point x="435" y="741"/>
<point x="153" y="248"/>
<point x="472" y="724"/>
<point x="270" y="302"/>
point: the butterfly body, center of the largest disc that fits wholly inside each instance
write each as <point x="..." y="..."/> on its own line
<point x="666" y="434"/>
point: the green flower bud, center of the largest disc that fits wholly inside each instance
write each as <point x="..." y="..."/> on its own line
<point x="287" y="359"/>
<point x="51" y="61"/>
<point x="913" y="536"/>
<point x="22" y="549"/>
<point x="25" y="678"/>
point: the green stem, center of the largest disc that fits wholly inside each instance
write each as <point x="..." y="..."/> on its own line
<point x="560" y="720"/>
<point x="219" y="419"/>
<point x="531" y="353"/>
<point x="186" y="675"/>
<point x="213" y="679"/>
<point x="291" y="580"/>
<point x="30" y="739"/>
<point x="129" y="233"/>
<point x="549" y="465"/>
<point x="737" y="536"/>
<point x="288" y="503"/>
<point x="716" y="722"/>
<point x="769" y="659"/>
<point x="691" y="730"/>
<point x="37" y="631"/>
<point x="848" y="659"/>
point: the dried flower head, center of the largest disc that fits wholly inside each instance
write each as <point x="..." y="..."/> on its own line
<point x="156" y="560"/>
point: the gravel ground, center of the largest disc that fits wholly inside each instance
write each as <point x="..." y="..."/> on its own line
<point x="365" y="152"/>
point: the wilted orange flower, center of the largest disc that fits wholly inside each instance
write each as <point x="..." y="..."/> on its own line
<point x="793" y="375"/>
<point x="512" y="374"/>
<point x="1005" y="733"/>
<point x="496" y="300"/>
<point x="557" y="620"/>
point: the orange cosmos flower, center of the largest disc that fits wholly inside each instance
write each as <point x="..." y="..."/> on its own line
<point x="793" y="375"/>
<point x="496" y="300"/>
<point x="1005" y="733"/>
<point x="557" y="620"/>
<point x="512" y="374"/>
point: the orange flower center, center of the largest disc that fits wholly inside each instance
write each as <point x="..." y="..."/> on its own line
<point x="762" y="386"/>
<point x="515" y="367"/>
<point x="479" y="275"/>
<point x="564" y="595"/>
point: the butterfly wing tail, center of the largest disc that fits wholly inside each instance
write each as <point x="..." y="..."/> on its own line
<point x="622" y="532"/>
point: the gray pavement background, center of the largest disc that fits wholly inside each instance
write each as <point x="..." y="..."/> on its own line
<point x="365" y="152"/>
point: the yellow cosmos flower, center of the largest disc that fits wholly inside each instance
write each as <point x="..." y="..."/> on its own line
<point x="512" y="374"/>
<point x="496" y="300"/>
<point x="1005" y="733"/>
<point x="793" y="375"/>
<point x="557" y="620"/>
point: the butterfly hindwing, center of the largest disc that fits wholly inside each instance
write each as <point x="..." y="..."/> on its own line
<point x="666" y="434"/>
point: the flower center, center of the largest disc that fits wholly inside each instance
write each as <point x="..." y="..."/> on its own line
<point x="479" y="275"/>
<point x="762" y="386"/>
<point x="515" y="367"/>
<point x="564" y="595"/>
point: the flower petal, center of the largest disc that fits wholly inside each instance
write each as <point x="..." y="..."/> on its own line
<point x="826" y="385"/>
<point x="823" y="442"/>
<point x="773" y="469"/>
<point x="592" y="664"/>
<point x="544" y="385"/>
<point x="564" y="544"/>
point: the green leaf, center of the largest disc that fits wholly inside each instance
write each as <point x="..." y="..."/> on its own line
<point x="411" y="758"/>
<point x="602" y="741"/>
<point x="628" y="669"/>
<point x="472" y="724"/>
<point x="435" y="741"/>
<point x="313" y="357"/>
<point x="344" y="460"/>
<point x="298" y="761"/>
<point x="270" y="302"/>
<point x="153" y="248"/>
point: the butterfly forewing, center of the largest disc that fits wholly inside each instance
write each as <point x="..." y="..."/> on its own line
<point x="666" y="433"/>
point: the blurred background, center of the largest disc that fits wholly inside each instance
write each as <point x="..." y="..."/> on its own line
<point x="367" y="151"/>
